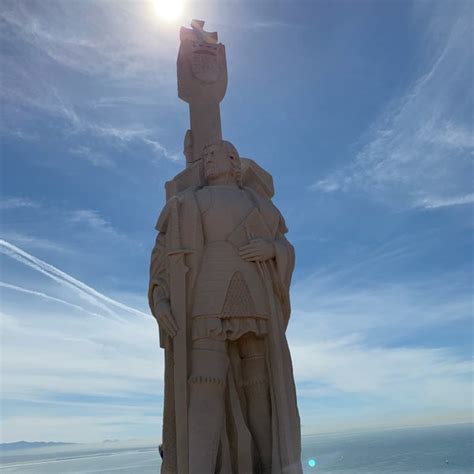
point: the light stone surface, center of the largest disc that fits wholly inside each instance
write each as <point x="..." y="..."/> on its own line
<point x="219" y="288"/>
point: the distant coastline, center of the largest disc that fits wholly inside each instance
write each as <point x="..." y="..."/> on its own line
<point x="31" y="444"/>
<point x="426" y="450"/>
<point x="112" y="443"/>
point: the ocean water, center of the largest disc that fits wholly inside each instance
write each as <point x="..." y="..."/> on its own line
<point x="447" y="450"/>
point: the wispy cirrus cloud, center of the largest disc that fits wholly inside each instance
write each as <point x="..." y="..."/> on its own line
<point x="134" y="134"/>
<point x="46" y="99"/>
<point x="381" y="312"/>
<point x="92" y="156"/>
<point x="390" y="386"/>
<point x="66" y="365"/>
<point x="61" y="326"/>
<point x="17" y="133"/>
<point x="92" y="220"/>
<point x="365" y="339"/>
<point x="116" y="361"/>
<point x="265" y="25"/>
<point x="33" y="242"/>
<point x="107" y="102"/>
<point x="95" y="48"/>
<point x="334" y="366"/>
<point x="90" y="225"/>
<point x="75" y="228"/>
<point x="434" y="203"/>
<point x="378" y="294"/>
<point x="9" y="203"/>
<point x="420" y="150"/>
<point x="52" y="44"/>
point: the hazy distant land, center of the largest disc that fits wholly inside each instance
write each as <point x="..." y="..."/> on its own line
<point x="435" y="450"/>
<point x="31" y="444"/>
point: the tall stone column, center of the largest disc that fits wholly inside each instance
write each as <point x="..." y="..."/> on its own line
<point x="202" y="83"/>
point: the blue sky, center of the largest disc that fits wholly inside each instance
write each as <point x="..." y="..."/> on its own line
<point x="362" y="112"/>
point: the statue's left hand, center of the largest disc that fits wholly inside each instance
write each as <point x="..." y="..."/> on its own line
<point x="258" y="250"/>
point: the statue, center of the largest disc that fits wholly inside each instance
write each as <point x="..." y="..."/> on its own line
<point x="219" y="289"/>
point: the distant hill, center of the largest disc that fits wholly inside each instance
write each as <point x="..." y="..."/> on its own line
<point x="28" y="445"/>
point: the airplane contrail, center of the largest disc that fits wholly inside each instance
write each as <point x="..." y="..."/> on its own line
<point x="45" y="296"/>
<point x="83" y="290"/>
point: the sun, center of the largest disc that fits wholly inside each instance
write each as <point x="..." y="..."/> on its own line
<point x="168" y="10"/>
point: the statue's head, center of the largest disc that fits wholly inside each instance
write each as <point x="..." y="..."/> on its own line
<point x="222" y="163"/>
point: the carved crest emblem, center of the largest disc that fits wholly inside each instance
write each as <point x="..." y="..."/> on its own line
<point x="206" y="65"/>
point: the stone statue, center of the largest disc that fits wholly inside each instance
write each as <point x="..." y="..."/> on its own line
<point x="219" y="289"/>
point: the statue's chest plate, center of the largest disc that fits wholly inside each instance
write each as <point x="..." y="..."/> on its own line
<point x="223" y="209"/>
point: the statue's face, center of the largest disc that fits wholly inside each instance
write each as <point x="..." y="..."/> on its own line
<point x="217" y="164"/>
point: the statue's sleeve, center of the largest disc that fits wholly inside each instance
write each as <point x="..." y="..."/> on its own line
<point x="159" y="285"/>
<point x="284" y="255"/>
<point x="283" y="269"/>
<point x="159" y="279"/>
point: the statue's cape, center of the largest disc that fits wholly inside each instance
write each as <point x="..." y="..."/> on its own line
<point x="235" y="440"/>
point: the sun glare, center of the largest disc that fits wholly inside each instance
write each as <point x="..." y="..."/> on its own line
<point x="168" y="10"/>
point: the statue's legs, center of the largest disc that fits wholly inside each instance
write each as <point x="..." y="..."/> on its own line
<point x="209" y="365"/>
<point x="257" y="393"/>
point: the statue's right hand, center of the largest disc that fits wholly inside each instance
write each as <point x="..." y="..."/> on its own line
<point x="165" y="318"/>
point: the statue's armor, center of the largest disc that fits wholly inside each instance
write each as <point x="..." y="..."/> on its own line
<point x="229" y="296"/>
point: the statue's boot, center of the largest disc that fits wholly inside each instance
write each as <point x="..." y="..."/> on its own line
<point x="206" y="408"/>
<point x="257" y="393"/>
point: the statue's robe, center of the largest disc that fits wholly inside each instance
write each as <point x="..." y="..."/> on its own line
<point x="181" y="214"/>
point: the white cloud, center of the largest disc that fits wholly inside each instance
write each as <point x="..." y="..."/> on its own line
<point x="80" y="377"/>
<point x="17" y="203"/>
<point x="95" y="47"/>
<point x="17" y="133"/>
<point x="327" y="185"/>
<point x="89" y="48"/>
<point x="370" y="342"/>
<point x="133" y="134"/>
<point x="92" y="220"/>
<point x="266" y="25"/>
<point x="455" y="136"/>
<point x="119" y="101"/>
<point x="46" y="99"/>
<point x="115" y="358"/>
<point x="421" y="147"/>
<point x="110" y="359"/>
<point x="351" y="346"/>
<point x="378" y="386"/>
<point x="89" y="224"/>
<point x="417" y="377"/>
<point x="35" y="243"/>
<point x="40" y="96"/>
<point x="434" y="203"/>
<point x="94" y="157"/>
<point x="76" y="358"/>
<point x="161" y="150"/>
<point x="360" y="296"/>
